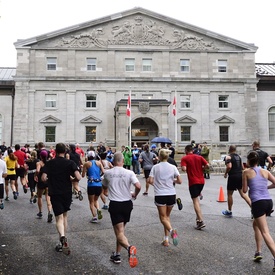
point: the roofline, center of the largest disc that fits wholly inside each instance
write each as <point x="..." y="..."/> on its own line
<point x="115" y="16"/>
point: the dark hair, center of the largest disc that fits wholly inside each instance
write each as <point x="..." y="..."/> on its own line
<point x="60" y="148"/>
<point x="17" y="147"/>
<point x="189" y="148"/>
<point x="103" y="155"/>
<point x="253" y="158"/>
<point x="72" y="147"/>
<point x="11" y="154"/>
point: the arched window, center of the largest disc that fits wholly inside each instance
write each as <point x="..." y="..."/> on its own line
<point x="271" y="123"/>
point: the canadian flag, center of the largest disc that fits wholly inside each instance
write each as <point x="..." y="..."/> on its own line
<point x="128" y="110"/>
<point x="174" y="106"/>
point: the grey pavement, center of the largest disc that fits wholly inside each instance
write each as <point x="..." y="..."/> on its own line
<point x="224" y="246"/>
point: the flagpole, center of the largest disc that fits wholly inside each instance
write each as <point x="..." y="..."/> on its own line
<point x="176" y="111"/>
<point x="130" y="119"/>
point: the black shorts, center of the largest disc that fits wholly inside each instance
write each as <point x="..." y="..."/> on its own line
<point x="94" y="190"/>
<point x="146" y="173"/>
<point x="10" y="177"/>
<point x="234" y="182"/>
<point x="1" y="190"/>
<point x="261" y="207"/>
<point x="20" y="172"/>
<point x="61" y="203"/>
<point x="168" y="200"/>
<point x="120" y="211"/>
<point x="195" y="190"/>
<point x="42" y="185"/>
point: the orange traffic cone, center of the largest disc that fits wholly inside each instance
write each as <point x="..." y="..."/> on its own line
<point x="221" y="196"/>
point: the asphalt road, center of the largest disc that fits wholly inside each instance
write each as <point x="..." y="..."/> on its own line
<point x="224" y="246"/>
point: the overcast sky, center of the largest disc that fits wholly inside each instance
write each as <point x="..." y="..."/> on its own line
<point x="244" y="20"/>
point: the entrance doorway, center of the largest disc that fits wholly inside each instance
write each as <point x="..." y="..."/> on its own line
<point x="144" y="129"/>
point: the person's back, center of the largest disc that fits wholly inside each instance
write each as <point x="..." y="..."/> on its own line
<point x="93" y="173"/>
<point x="236" y="164"/>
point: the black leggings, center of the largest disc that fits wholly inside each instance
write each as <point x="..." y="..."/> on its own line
<point x="1" y="191"/>
<point x="31" y="182"/>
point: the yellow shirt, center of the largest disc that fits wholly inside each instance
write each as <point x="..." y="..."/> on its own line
<point x="11" y="165"/>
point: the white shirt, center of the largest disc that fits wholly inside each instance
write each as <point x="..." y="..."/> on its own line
<point x="119" y="182"/>
<point x="164" y="174"/>
<point x="3" y="170"/>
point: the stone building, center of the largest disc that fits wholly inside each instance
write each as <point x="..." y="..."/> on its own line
<point x="72" y="84"/>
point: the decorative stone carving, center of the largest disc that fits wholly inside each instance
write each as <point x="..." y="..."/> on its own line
<point x="144" y="107"/>
<point x="138" y="31"/>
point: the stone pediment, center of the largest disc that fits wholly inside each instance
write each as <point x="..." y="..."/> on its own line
<point x="186" y="119"/>
<point x="50" y="119"/>
<point x="91" y="120"/>
<point x="136" y="28"/>
<point x="224" y="119"/>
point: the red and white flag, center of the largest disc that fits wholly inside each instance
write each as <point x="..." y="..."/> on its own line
<point x="174" y="106"/>
<point x="128" y="110"/>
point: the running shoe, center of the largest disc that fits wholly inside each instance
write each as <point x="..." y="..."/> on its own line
<point x="25" y="188"/>
<point x="200" y="225"/>
<point x="50" y="217"/>
<point x="94" y="220"/>
<point x="201" y="196"/>
<point x="80" y="196"/>
<point x="132" y="251"/>
<point x="115" y="258"/>
<point x="31" y="201"/>
<point x="145" y="194"/>
<point x="1" y="205"/>
<point x="179" y="203"/>
<point x="105" y="207"/>
<point x="15" y="195"/>
<point x="174" y="236"/>
<point x="165" y="243"/>
<point x="7" y="199"/>
<point x="257" y="257"/>
<point x="34" y="199"/>
<point x="58" y="247"/>
<point x="269" y="214"/>
<point x="99" y="214"/>
<point x="227" y="213"/>
<point x="39" y="215"/>
<point x="273" y="266"/>
<point x="65" y="246"/>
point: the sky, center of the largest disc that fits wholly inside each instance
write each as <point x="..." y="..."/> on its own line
<point x="244" y="20"/>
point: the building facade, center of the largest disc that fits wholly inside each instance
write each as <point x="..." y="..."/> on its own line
<point x="72" y="85"/>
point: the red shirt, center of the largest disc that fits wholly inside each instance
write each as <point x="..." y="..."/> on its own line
<point x="21" y="156"/>
<point x="194" y="167"/>
<point x="80" y="151"/>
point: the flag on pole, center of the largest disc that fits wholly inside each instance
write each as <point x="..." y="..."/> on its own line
<point x="128" y="110"/>
<point x="174" y="106"/>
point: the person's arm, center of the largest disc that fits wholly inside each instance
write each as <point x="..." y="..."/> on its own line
<point x="272" y="179"/>
<point x="137" y="190"/>
<point x="44" y="177"/>
<point x="151" y="180"/>
<point x="244" y="181"/>
<point x="228" y="166"/>
<point x="178" y="180"/>
<point x="84" y="170"/>
<point x="270" y="162"/>
<point x="77" y="175"/>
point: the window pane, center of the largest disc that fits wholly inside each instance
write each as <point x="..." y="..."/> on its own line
<point x="50" y="100"/>
<point x="146" y="65"/>
<point x="222" y="66"/>
<point x="224" y="133"/>
<point x="185" y="101"/>
<point x="51" y="63"/>
<point x="129" y="64"/>
<point x="91" y="64"/>
<point x="223" y="101"/>
<point x="184" y="65"/>
<point x="90" y="101"/>
<point x="185" y="133"/>
<point x="90" y="133"/>
<point x="50" y="134"/>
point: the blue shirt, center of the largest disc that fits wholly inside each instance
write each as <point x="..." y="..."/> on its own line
<point x="93" y="173"/>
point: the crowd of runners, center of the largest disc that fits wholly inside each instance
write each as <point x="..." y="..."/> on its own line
<point x="56" y="172"/>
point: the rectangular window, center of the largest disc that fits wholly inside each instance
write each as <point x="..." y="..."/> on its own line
<point x="129" y="64"/>
<point x="223" y="101"/>
<point x="146" y="64"/>
<point x="185" y="65"/>
<point x="91" y="64"/>
<point x="50" y="100"/>
<point x="90" y="101"/>
<point x="51" y="63"/>
<point x="50" y="133"/>
<point x="147" y="96"/>
<point x="271" y="123"/>
<point x="224" y="133"/>
<point x="90" y="133"/>
<point x="185" y="101"/>
<point x="185" y="133"/>
<point x="222" y="66"/>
